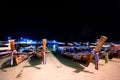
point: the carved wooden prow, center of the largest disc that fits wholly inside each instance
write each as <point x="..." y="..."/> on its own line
<point x="44" y="49"/>
<point x="12" y="44"/>
<point x="12" y="48"/>
<point x="97" y="49"/>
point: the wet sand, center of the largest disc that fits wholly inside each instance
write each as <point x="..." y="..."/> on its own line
<point x="58" y="68"/>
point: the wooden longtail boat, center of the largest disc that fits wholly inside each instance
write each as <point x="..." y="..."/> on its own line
<point x="19" y="57"/>
<point x="86" y="57"/>
<point x="4" y="49"/>
<point x="42" y="51"/>
<point x="96" y="52"/>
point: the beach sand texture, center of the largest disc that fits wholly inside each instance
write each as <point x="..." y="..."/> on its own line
<point x="58" y="68"/>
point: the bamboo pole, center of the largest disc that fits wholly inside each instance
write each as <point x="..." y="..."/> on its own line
<point x="106" y="57"/>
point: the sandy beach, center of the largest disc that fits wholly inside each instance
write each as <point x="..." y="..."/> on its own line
<point x="58" y="68"/>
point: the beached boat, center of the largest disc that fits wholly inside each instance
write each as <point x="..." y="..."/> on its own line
<point x="18" y="56"/>
<point x="42" y="51"/>
<point x="4" y="49"/>
<point x="85" y="57"/>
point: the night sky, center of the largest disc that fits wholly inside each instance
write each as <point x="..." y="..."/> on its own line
<point x="63" y="21"/>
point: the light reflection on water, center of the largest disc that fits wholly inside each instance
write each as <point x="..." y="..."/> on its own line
<point x="22" y="48"/>
<point x="51" y="47"/>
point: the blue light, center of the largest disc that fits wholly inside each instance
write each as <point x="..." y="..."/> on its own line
<point x="27" y="41"/>
<point x="54" y="47"/>
<point x="9" y="38"/>
<point x="54" y="40"/>
<point x="21" y="38"/>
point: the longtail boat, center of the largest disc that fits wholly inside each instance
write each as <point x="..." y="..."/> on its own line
<point x="18" y="56"/>
<point x="95" y="52"/>
<point x="4" y="49"/>
<point x="85" y="57"/>
<point x="42" y="51"/>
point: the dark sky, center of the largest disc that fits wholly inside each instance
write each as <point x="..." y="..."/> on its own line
<point x="68" y="20"/>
